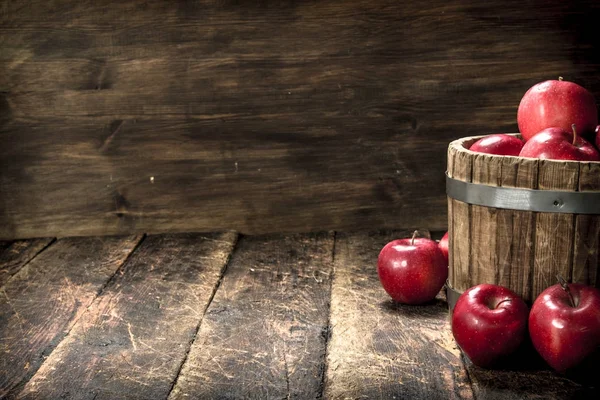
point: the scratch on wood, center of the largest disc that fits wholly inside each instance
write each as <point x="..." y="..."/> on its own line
<point x="17" y="315"/>
<point x="287" y="369"/>
<point x="101" y="77"/>
<point x="153" y="349"/>
<point x="214" y="359"/>
<point x="110" y="137"/>
<point x="131" y="337"/>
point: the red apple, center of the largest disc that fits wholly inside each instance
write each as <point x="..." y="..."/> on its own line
<point x="498" y="143"/>
<point x="556" y="103"/>
<point x="443" y="245"/>
<point x="564" y="324"/>
<point x="558" y="144"/>
<point x="413" y="270"/>
<point x="489" y="323"/>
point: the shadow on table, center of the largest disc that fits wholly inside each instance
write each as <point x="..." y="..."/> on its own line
<point x="526" y="375"/>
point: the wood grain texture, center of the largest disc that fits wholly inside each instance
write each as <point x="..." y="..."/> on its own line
<point x="484" y="223"/>
<point x="42" y="302"/>
<point x="264" y="180"/>
<point x="515" y="242"/>
<point x="260" y="116"/>
<point x="15" y="255"/>
<point x="265" y="332"/>
<point x="133" y="339"/>
<point x="554" y="232"/>
<point x="459" y="254"/>
<point x="382" y="350"/>
<point x="586" y="252"/>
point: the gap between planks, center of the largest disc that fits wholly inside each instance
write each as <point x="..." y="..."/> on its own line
<point x="210" y="300"/>
<point x="325" y="364"/>
<point x="10" y="267"/>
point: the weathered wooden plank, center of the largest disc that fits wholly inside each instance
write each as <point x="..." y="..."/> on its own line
<point x="115" y="79"/>
<point x="586" y="243"/>
<point x="264" y="334"/>
<point x="215" y="28"/>
<point x="135" y="336"/>
<point x="14" y="255"/>
<point x="554" y="232"/>
<point x="40" y="304"/>
<point x="382" y="350"/>
<point x="389" y="85"/>
<point x="159" y="175"/>
<point x="515" y="232"/>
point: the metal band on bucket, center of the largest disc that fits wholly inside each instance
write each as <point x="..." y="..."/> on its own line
<point x="554" y="201"/>
<point x="452" y="297"/>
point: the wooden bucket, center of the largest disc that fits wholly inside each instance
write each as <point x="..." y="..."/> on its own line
<point x="519" y="222"/>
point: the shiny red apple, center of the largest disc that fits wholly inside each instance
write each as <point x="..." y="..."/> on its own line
<point x="489" y="323"/>
<point x="499" y="144"/>
<point x="564" y="324"/>
<point x="412" y="270"/>
<point x="443" y="245"/>
<point x="557" y="103"/>
<point x="558" y="144"/>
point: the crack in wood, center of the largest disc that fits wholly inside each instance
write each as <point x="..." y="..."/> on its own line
<point x="326" y="331"/>
<point x="286" y="369"/>
<point x="15" y="265"/>
<point x="131" y="337"/>
<point x="208" y="303"/>
<point x="112" y="135"/>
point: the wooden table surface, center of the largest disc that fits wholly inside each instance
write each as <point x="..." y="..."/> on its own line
<point x="225" y="316"/>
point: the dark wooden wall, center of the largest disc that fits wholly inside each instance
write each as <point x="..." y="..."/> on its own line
<point x="261" y="116"/>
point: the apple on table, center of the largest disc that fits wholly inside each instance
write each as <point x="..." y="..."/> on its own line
<point x="489" y="323"/>
<point x="412" y="270"/>
<point x="564" y="324"/>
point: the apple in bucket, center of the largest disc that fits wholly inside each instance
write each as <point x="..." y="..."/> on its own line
<point x="499" y="143"/>
<point x="557" y="144"/>
<point x="557" y="103"/>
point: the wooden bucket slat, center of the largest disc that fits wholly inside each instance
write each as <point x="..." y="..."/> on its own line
<point x="516" y="229"/>
<point x="587" y="232"/>
<point x="554" y="232"/>
<point x="484" y="259"/>
<point x="460" y="254"/>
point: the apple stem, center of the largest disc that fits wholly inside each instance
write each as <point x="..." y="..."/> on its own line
<point x="503" y="301"/>
<point x="565" y="287"/>
<point x="560" y="78"/>
<point x="412" y="240"/>
<point x="574" y="134"/>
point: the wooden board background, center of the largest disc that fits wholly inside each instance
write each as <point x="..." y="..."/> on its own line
<point x="266" y="116"/>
